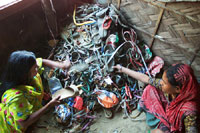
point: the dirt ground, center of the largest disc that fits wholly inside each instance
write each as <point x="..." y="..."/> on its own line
<point x="101" y="124"/>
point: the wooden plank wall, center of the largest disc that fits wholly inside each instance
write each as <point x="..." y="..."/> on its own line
<point x="177" y="24"/>
<point x="24" y="26"/>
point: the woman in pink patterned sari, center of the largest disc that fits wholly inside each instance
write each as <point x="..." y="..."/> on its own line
<point x="173" y="100"/>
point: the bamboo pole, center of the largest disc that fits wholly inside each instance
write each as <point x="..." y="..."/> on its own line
<point x="157" y="4"/>
<point x="124" y="20"/>
<point x="157" y="25"/>
<point x="164" y="41"/>
<point x="118" y="4"/>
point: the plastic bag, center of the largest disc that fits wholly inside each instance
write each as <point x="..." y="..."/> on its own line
<point x="54" y="84"/>
<point x="106" y="99"/>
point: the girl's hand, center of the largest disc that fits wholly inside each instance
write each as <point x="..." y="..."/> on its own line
<point x="55" y="101"/>
<point x="118" y="67"/>
<point x="66" y="64"/>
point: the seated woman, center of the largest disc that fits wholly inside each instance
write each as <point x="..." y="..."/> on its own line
<point x="173" y="100"/>
<point x="22" y="91"/>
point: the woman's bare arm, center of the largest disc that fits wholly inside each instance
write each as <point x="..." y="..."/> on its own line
<point x="136" y="75"/>
<point x="55" y="64"/>
<point x="36" y="115"/>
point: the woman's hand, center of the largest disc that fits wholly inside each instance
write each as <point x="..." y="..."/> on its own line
<point x="118" y="67"/>
<point x="36" y="115"/>
<point x="132" y="73"/>
<point x="55" y="64"/>
<point x="66" y="64"/>
<point x="55" y="101"/>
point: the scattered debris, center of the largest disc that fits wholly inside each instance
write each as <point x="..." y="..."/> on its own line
<point x="95" y="42"/>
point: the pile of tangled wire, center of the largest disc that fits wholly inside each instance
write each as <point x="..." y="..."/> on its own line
<point x="94" y="42"/>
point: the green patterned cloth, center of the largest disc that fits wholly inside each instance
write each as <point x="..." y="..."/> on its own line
<point x="20" y="102"/>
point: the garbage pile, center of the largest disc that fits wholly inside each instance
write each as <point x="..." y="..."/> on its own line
<point x="94" y="42"/>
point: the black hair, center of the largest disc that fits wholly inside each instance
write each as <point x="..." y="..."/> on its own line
<point x="171" y="71"/>
<point x="17" y="71"/>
